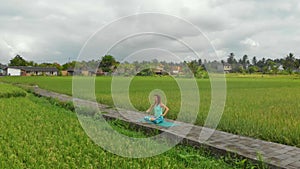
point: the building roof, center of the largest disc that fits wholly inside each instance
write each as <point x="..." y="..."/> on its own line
<point x="2" y="66"/>
<point x="226" y="64"/>
<point x="34" y="69"/>
<point x="70" y="69"/>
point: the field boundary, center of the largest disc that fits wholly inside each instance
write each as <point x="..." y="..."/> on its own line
<point x="274" y="155"/>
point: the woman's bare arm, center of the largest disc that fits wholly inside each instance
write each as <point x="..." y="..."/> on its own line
<point x="150" y="108"/>
<point x="166" y="109"/>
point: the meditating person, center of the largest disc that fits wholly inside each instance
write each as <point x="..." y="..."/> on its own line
<point x="158" y="107"/>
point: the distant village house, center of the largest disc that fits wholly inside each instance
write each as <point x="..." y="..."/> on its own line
<point x="71" y="72"/>
<point x="227" y="67"/>
<point x="30" y="71"/>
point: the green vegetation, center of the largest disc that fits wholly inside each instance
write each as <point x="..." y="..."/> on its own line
<point x="262" y="107"/>
<point x="287" y="65"/>
<point x="108" y="63"/>
<point x="20" y="61"/>
<point x="37" y="134"/>
<point x="7" y="91"/>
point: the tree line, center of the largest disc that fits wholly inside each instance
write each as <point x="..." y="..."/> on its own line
<point x="286" y="65"/>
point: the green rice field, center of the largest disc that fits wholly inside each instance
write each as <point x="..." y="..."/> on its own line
<point x="7" y="91"/>
<point x="261" y="107"/>
<point x="35" y="133"/>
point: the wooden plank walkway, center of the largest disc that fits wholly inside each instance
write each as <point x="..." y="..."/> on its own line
<point x="274" y="155"/>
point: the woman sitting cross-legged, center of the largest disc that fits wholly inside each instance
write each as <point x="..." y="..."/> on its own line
<point x="158" y="107"/>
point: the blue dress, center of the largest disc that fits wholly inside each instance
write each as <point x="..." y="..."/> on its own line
<point x="158" y="111"/>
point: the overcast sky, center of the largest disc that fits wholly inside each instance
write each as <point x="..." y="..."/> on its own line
<point x="55" y="31"/>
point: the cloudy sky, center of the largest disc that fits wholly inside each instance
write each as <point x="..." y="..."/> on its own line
<point x="55" y="31"/>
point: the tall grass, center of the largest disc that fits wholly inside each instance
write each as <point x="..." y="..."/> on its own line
<point x="37" y="134"/>
<point x="7" y="91"/>
<point x="265" y="108"/>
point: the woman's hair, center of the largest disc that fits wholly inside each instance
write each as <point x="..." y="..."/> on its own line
<point x="158" y="99"/>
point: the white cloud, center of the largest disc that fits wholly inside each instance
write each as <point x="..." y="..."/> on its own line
<point x="56" y="30"/>
<point x="250" y="42"/>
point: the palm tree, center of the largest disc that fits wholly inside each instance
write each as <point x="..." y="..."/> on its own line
<point x="289" y="63"/>
<point x="245" y="61"/>
<point x="254" y="61"/>
<point x="231" y="59"/>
